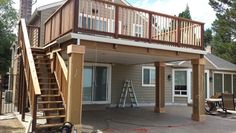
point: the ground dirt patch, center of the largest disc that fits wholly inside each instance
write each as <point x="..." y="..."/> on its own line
<point x="11" y="126"/>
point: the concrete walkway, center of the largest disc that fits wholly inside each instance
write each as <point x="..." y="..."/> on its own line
<point x="177" y="119"/>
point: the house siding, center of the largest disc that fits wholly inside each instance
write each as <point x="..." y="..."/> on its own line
<point x="45" y="14"/>
<point x="145" y="95"/>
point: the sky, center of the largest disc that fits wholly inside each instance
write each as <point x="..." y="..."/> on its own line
<point x="200" y="9"/>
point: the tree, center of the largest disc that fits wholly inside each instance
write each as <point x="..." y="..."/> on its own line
<point x="224" y="29"/>
<point x="8" y="18"/>
<point x="186" y="13"/>
<point x="207" y="37"/>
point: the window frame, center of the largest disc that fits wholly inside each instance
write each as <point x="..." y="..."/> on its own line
<point x="223" y="77"/>
<point x="149" y="68"/>
<point x="134" y="30"/>
<point x="110" y="7"/>
<point x="187" y="83"/>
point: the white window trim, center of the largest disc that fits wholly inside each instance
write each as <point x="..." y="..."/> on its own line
<point x="111" y="8"/>
<point x="109" y="74"/>
<point x="134" y="27"/>
<point x="173" y="82"/>
<point x="223" y="73"/>
<point x="189" y="86"/>
<point x="92" y="17"/>
<point x="147" y="85"/>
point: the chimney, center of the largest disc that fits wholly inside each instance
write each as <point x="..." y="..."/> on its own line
<point x="25" y="9"/>
<point x="208" y="49"/>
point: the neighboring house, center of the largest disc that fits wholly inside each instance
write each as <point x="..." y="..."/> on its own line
<point x="100" y="44"/>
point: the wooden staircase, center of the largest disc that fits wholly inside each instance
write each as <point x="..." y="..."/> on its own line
<point x="50" y="107"/>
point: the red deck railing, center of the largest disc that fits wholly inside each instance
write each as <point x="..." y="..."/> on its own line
<point x="121" y="21"/>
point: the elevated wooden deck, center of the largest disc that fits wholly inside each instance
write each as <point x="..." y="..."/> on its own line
<point x="97" y="17"/>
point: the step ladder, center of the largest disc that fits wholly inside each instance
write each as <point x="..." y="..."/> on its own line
<point x="127" y="89"/>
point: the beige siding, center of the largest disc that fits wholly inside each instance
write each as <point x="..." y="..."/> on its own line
<point x="134" y="72"/>
<point x="181" y="100"/>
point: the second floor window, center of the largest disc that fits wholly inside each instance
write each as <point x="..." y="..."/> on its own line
<point x="138" y="30"/>
<point x="109" y="6"/>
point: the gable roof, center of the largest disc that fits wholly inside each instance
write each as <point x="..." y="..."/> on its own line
<point x="212" y="62"/>
<point x="220" y="63"/>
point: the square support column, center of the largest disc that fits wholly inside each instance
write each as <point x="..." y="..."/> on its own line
<point x="75" y="84"/>
<point x="160" y="87"/>
<point x="198" y="66"/>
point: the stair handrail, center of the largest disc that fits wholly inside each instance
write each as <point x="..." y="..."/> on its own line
<point x="61" y="74"/>
<point x="31" y="78"/>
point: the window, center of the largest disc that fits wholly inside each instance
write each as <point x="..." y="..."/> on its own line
<point x="93" y="24"/>
<point x="149" y="76"/>
<point x="112" y="7"/>
<point x="180" y="88"/>
<point x="218" y="82"/>
<point x="227" y="83"/>
<point x="224" y="82"/>
<point x="138" y="30"/>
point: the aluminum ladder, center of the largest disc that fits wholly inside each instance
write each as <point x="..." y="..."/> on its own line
<point x="127" y="89"/>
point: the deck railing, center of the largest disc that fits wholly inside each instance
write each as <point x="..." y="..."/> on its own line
<point x="60" y="71"/>
<point x="30" y="74"/>
<point x="121" y="21"/>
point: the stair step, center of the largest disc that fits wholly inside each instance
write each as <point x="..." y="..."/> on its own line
<point x="50" y="89"/>
<point x="50" y="109"/>
<point x="51" y="116"/>
<point x="57" y="95"/>
<point x="49" y="125"/>
<point x="47" y="83"/>
<point x="49" y="102"/>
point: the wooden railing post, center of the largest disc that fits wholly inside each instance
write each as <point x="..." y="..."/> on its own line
<point x="179" y="32"/>
<point x="150" y="27"/>
<point x="76" y="16"/>
<point x="116" y="21"/>
<point x="202" y="36"/>
<point x="34" y="112"/>
<point x="75" y="84"/>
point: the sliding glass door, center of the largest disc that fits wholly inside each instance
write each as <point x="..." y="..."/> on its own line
<point x="95" y="84"/>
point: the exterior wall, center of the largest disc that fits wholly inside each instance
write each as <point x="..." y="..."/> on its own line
<point x="145" y="95"/>
<point x="45" y="14"/>
<point x="181" y="100"/>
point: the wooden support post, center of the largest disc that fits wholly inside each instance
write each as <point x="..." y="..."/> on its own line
<point x="160" y="87"/>
<point x="75" y="84"/>
<point x="0" y="101"/>
<point x="34" y="111"/>
<point x="198" y="89"/>
<point x="24" y="95"/>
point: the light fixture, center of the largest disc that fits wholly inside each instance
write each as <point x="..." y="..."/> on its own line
<point x="169" y="77"/>
<point x="211" y="79"/>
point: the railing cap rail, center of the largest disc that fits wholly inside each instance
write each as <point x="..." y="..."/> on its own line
<point x="132" y="8"/>
<point x="32" y="68"/>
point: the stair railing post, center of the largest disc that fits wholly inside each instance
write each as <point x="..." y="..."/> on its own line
<point x="34" y="113"/>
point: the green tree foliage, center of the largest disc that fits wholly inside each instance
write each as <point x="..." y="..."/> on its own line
<point x="207" y="37"/>
<point x="8" y="19"/>
<point x="186" y="13"/>
<point x="224" y="27"/>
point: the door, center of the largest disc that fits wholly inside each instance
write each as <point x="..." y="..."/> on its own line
<point x="95" y="87"/>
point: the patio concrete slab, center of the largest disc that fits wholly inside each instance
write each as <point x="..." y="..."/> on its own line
<point x="176" y="119"/>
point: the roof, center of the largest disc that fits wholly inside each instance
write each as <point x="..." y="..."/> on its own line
<point x="220" y="63"/>
<point x="44" y="7"/>
<point x="212" y="62"/>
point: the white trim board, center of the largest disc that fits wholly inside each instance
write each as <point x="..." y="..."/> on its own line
<point x="105" y="39"/>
